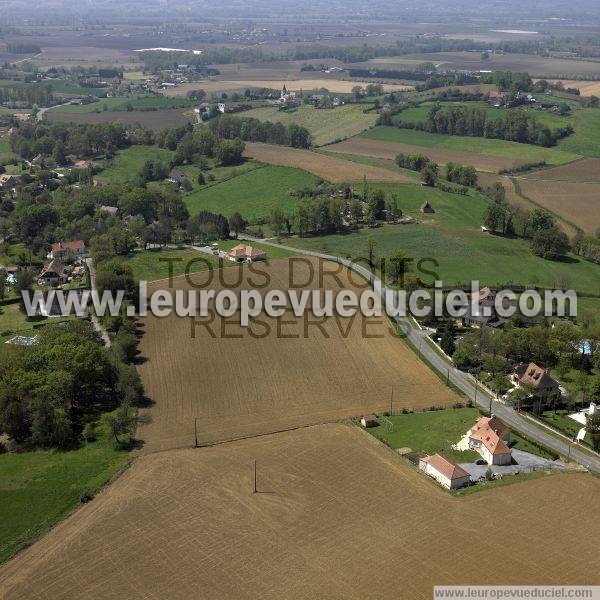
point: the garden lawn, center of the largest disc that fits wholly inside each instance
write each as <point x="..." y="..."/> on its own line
<point x="252" y="194"/>
<point x="39" y="488"/>
<point x="560" y="420"/>
<point x="127" y="163"/>
<point x="453" y="246"/>
<point x="430" y="432"/>
<point x="325" y="125"/>
<point x="525" y="152"/>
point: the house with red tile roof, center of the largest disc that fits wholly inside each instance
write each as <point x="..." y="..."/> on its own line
<point x="489" y="437"/>
<point x="544" y="385"/>
<point x="242" y="253"/>
<point x="444" y="471"/>
<point x="64" y="250"/>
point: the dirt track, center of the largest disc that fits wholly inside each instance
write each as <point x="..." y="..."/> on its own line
<point x="330" y="168"/>
<point x="338" y="516"/>
<point x="296" y="374"/>
<point x="389" y="150"/>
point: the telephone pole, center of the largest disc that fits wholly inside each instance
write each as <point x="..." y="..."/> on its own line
<point x="255" y="488"/>
<point x="392" y="402"/>
<point x="196" y="432"/>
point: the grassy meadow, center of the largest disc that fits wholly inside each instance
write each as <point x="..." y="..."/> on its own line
<point x="122" y="103"/>
<point x="586" y="122"/>
<point x="325" y="125"/>
<point x="127" y="163"/>
<point x="252" y="194"/>
<point x="455" y="247"/>
<point x="37" y="489"/>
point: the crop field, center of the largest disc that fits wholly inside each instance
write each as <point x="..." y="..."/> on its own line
<point x="186" y="524"/>
<point x="330" y="168"/>
<point x="279" y="373"/>
<point x="476" y="145"/>
<point x="576" y="202"/>
<point x="587" y="88"/>
<point x="453" y="237"/>
<point x="127" y="164"/>
<point x="586" y="170"/>
<point x="153" y="119"/>
<point x="375" y="148"/>
<point x="325" y="125"/>
<point x="333" y="85"/>
<point x="252" y="194"/>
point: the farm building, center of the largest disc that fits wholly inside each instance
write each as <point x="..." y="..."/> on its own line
<point x="489" y="437"/>
<point x="544" y="385"/>
<point x="369" y="421"/>
<point x="241" y="253"/>
<point x="63" y="250"/>
<point x="82" y="164"/>
<point x="177" y="176"/>
<point x="7" y="181"/>
<point x="444" y="471"/>
<point x="427" y="208"/>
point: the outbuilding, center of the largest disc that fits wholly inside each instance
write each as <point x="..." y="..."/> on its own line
<point x="444" y="471"/>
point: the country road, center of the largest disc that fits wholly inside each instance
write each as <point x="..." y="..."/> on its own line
<point x="95" y="321"/>
<point x="458" y="378"/>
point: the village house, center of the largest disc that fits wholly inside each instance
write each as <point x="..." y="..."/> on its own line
<point x="426" y="208"/>
<point x="489" y="437"/>
<point x="68" y="250"/>
<point x="498" y="99"/>
<point x="111" y="210"/>
<point x="544" y="385"/>
<point x="482" y="310"/>
<point x="241" y="253"/>
<point x="82" y="164"/>
<point x="177" y="177"/>
<point x="444" y="471"/>
<point x="54" y="273"/>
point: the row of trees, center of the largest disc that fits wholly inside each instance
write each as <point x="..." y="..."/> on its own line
<point x="547" y="240"/>
<point x="34" y="94"/>
<point x="462" y="175"/>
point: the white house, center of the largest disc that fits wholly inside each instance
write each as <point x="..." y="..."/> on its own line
<point x="369" y="421"/>
<point x="444" y="471"/>
<point x="489" y="437"/>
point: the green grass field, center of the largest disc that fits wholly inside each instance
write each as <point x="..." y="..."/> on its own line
<point x="14" y="322"/>
<point x="252" y="194"/>
<point x="452" y="237"/>
<point x="586" y="122"/>
<point x="127" y="163"/>
<point x="122" y="102"/>
<point x="37" y="489"/>
<point x="325" y="125"/>
<point x="526" y="152"/>
<point x="6" y="154"/>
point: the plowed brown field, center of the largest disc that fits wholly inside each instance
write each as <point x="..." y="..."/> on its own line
<point x="330" y="168"/>
<point x="337" y="516"/>
<point x="296" y="373"/>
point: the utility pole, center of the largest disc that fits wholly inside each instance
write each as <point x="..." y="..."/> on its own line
<point x="196" y="432"/>
<point x="255" y="488"/>
<point x="392" y="402"/>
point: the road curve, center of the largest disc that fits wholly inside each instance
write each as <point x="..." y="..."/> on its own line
<point x="458" y="378"/>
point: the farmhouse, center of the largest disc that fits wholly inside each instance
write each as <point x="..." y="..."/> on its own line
<point x="54" y="273"/>
<point x="241" y="253"/>
<point x="369" y="421"/>
<point x="63" y="250"/>
<point x="177" y="176"/>
<point x="489" y="437"/>
<point x="7" y="181"/>
<point x="544" y="385"/>
<point x="444" y="471"/>
<point x="427" y="208"/>
<point x="82" y="164"/>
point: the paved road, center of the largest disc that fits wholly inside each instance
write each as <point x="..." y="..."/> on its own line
<point x="461" y="380"/>
<point x="95" y="321"/>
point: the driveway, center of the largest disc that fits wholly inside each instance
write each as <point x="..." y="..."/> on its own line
<point x="523" y="462"/>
